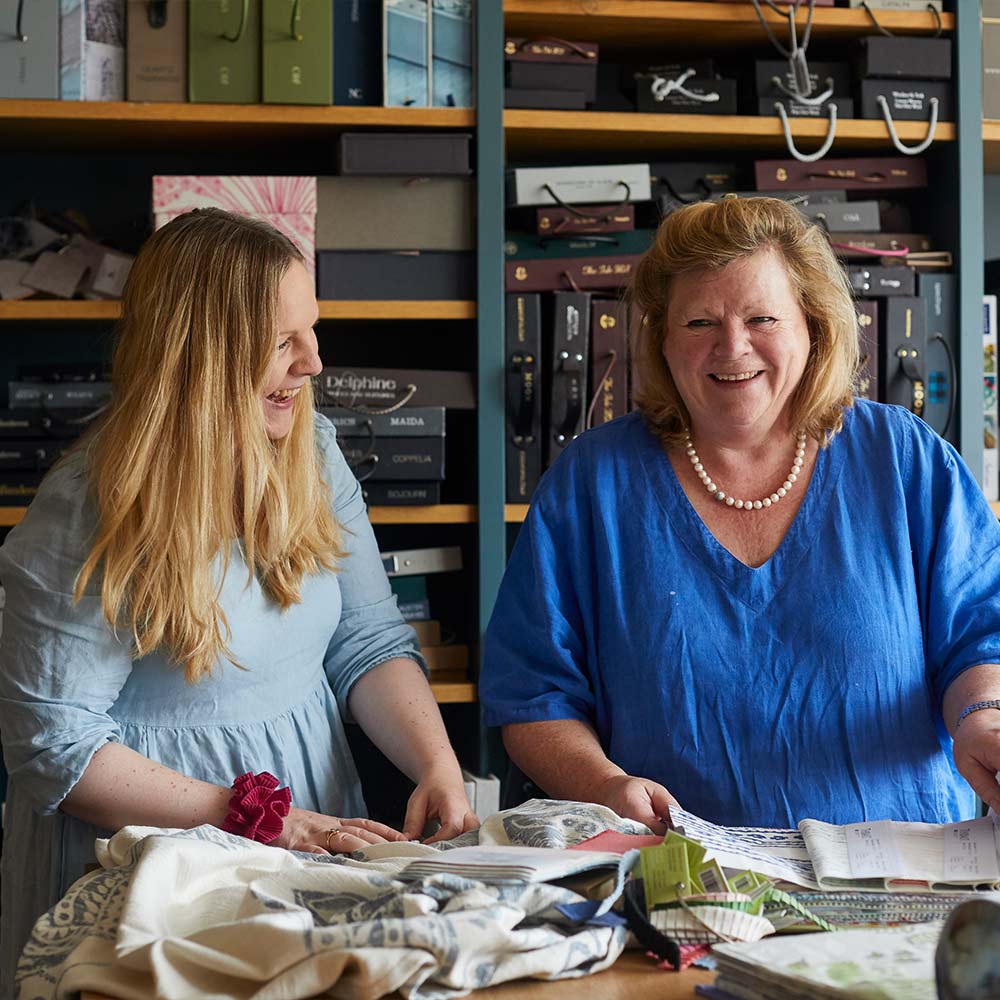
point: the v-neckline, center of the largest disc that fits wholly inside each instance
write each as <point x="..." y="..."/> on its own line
<point x="754" y="586"/>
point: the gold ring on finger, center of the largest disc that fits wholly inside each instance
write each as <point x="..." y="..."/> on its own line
<point x="330" y="834"/>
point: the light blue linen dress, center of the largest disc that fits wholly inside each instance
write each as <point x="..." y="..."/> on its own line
<point x="68" y="685"/>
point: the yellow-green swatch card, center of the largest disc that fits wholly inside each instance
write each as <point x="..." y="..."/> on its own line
<point x="676" y="869"/>
<point x="298" y="51"/>
<point x="224" y="51"/>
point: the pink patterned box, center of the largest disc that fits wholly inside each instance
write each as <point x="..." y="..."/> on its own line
<point x="287" y="203"/>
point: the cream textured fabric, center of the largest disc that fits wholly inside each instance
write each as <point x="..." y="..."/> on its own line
<point x="199" y="912"/>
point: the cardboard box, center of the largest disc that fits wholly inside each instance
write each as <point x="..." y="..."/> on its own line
<point x="909" y="100"/>
<point x="395" y="213"/>
<point x="548" y="100"/>
<point x="404" y="154"/>
<point x="907" y="58"/>
<point x="652" y="98"/>
<point x="92" y="50"/>
<point x="554" y="76"/>
<point x="586" y="185"/>
<point x="287" y="203"/>
<point x="157" y="50"/>
<point x="393" y="275"/>
<point x="795" y="109"/>
<point x="29" y="69"/>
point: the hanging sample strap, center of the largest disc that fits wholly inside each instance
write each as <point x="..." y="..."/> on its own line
<point x="795" y="53"/>
<point x="801" y="88"/>
<point x="19" y="34"/>
<point x="890" y="34"/>
<point x="661" y="88"/>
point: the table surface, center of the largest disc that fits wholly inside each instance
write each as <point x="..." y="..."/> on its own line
<point x="632" y="977"/>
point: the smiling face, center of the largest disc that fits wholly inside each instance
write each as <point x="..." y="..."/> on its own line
<point x="737" y="344"/>
<point x="296" y="352"/>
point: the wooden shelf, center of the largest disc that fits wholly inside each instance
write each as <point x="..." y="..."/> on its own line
<point x="991" y="146"/>
<point x="683" y="25"/>
<point x="453" y="693"/>
<point x="586" y="131"/>
<point x="444" y="513"/>
<point x="116" y="125"/>
<point x="79" y="310"/>
<point x="514" y="513"/>
<point x="995" y="507"/>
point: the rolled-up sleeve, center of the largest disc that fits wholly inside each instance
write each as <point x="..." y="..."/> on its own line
<point x="61" y="665"/>
<point x="371" y="629"/>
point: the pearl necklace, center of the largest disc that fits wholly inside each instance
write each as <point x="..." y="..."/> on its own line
<point x="790" y="479"/>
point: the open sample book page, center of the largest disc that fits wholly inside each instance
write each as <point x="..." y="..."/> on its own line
<point x="877" y="856"/>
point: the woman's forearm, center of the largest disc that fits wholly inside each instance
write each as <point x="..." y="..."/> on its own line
<point x="121" y="787"/>
<point x="394" y="705"/>
<point x="564" y="757"/>
<point x="981" y="683"/>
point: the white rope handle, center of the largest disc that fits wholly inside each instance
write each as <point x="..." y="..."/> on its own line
<point x="795" y="96"/>
<point x="790" y="142"/>
<point x="931" y="127"/>
<point x="661" y="87"/>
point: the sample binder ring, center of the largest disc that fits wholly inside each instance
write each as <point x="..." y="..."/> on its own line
<point x="890" y="125"/>
<point x="790" y="142"/>
<point x="244" y="15"/>
<point x="583" y="214"/>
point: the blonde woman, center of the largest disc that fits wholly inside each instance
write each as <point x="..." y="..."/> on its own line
<point x="196" y="593"/>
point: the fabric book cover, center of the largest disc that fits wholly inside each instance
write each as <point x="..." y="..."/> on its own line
<point x="406" y="46"/>
<point x="297" y="53"/>
<point x="224" y="52"/>
<point x="157" y="51"/>
<point x="287" y="203"/>
<point x="29" y="66"/>
<point x="453" y="43"/>
<point x="357" y="52"/>
<point x="92" y="50"/>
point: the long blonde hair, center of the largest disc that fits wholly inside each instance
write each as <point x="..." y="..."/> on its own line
<point x="181" y="464"/>
<point x="712" y="235"/>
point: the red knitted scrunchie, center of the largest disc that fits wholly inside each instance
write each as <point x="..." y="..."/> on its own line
<point x="258" y="807"/>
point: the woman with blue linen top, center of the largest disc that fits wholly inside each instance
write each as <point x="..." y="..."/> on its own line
<point x="757" y="596"/>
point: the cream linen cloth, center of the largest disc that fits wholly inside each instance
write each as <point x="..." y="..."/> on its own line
<point x="200" y="913"/>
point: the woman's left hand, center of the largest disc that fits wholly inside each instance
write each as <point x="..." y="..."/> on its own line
<point x="977" y="754"/>
<point x="440" y="795"/>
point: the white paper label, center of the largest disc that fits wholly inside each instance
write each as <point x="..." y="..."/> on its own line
<point x="970" y="852"/>
<point x="873" y="851"/>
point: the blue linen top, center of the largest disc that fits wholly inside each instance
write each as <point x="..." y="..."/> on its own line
<point x="68" y="685"/>
<point x="810" y="686"/>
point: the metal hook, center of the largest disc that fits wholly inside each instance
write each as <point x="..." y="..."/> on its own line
<point x="889" y="124"/>
<point x="790" y="142"/>
<point x="245" y="13"/>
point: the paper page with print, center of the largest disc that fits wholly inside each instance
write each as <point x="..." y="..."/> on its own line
<point x="900" y="857"/>
<point x="889" y="964"/>
<point x="513" y="864"/>
<point x="779" y="854"/>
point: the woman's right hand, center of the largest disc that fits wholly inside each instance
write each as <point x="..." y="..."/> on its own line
<point x="315" y="833"/>
<point x="637" y="798"/>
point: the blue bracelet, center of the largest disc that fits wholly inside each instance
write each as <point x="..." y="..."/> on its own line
<point x="977" y="706"/>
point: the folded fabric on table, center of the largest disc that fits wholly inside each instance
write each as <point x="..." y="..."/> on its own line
<point x="181" y="913"/>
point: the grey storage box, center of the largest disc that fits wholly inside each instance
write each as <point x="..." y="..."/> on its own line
<point x="373" y="274"/>
<point x="29" y="69"/>
<point x="591" y="185"/>
<point x="395" y="213"/>
<point x="406" y="154"/>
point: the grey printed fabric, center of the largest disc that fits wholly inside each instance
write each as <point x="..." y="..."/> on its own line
<point x="182" y="913"/>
